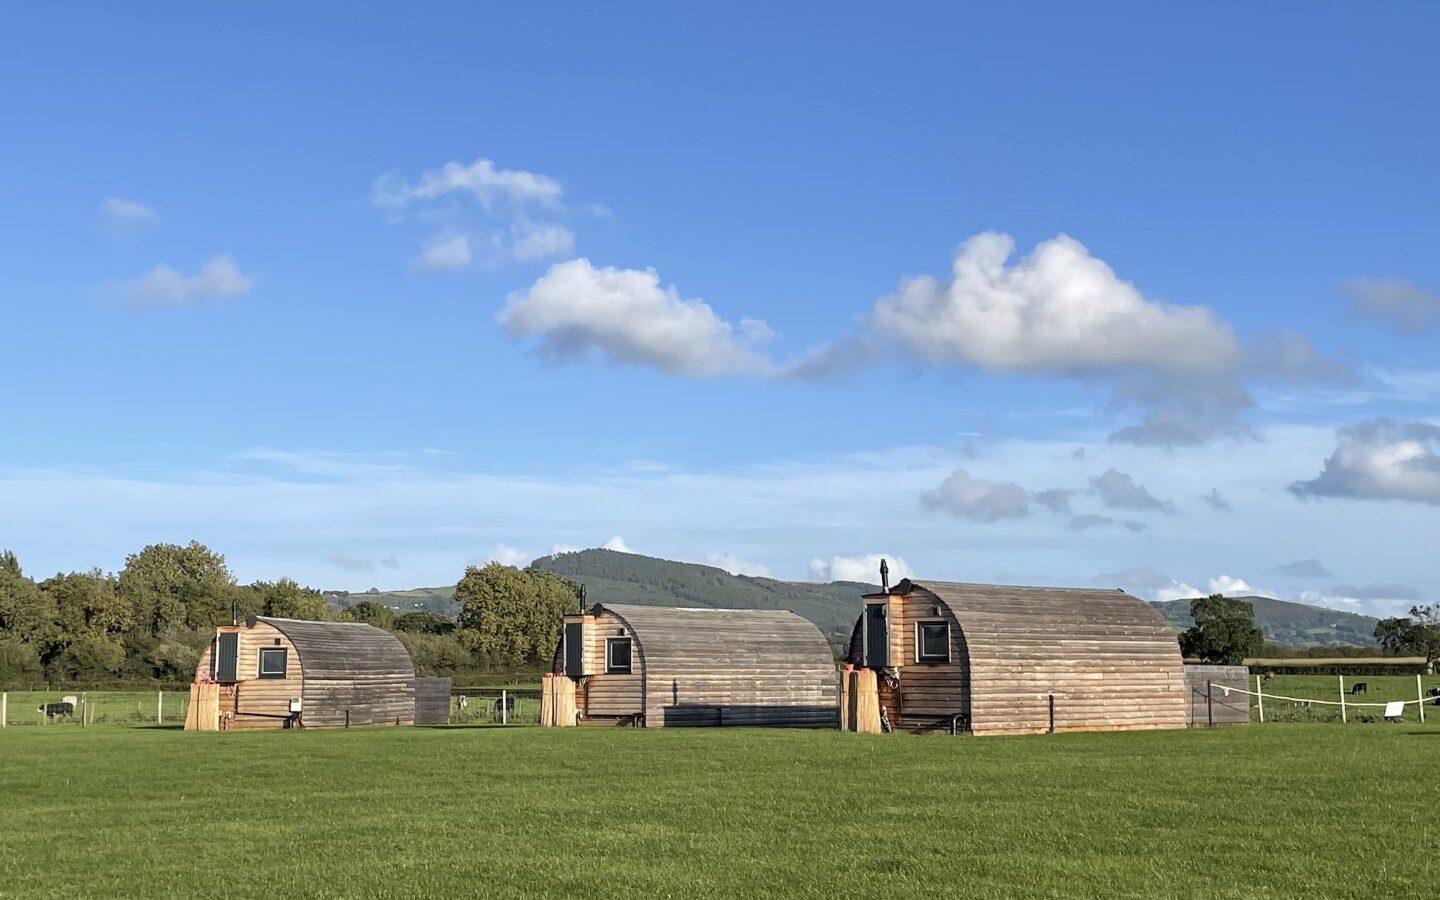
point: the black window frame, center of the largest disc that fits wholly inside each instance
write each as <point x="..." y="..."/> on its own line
<point x="284" y="663"/>
<point x="610" y="667"/>
<point x="920" y="655"/>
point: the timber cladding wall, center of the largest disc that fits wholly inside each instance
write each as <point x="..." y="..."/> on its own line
<point x="344" y="674"/>
<point x="1108" y="660"/>
<point x="1208" y="702"/>
<point x="432" y="701"/>
<point x="705" y="667"/>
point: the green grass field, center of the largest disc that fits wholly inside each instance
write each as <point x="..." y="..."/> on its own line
<point x="1298" y="810"/>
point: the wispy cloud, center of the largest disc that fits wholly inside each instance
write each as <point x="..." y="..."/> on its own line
<point x="120" y="217"/>
<point x="163" y="286"/>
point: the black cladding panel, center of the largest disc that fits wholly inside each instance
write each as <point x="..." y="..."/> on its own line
<point x="227" y="656"/>
<point x="574" y="649"/>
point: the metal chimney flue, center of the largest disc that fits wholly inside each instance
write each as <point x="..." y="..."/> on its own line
<point x="884" y="577"/>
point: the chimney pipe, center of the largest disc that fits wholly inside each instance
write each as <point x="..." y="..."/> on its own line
<point x="234" y="612"/>
<point x="582" y="599"/>
<point x="884" y="577"/>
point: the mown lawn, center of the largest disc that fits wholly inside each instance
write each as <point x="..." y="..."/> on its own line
<point x="1279" y="811"/>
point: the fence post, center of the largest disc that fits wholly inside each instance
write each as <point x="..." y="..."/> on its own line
<point x="504" y="709"/>
<point x="1420" y="693"/>
<point x="1260" y="696"/>
<point x="5" y="709"/>
<point x="159" y="707"/>
<point x="1209" y="705"/>
<point x="1343" y="720"/>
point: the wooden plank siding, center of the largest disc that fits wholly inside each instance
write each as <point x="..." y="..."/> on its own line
<point x="1109" y="660"/>
<point x="343" y="673"/>
<point x="708" y="667"/>
<point x="432" y="701"/>
<point x="252" y="701"/>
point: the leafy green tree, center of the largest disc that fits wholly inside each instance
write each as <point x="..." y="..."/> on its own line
<point x="19" y="661"/>
<point x="1224" y="631"/>
<point x="88" y="603"/>
<point x="436" y="655"/>
<point x="26" y="611"/>
<point x="89" y="657"/>
<point x="286" y="599"/>
<point x="1419" y="634"/>
<point x="171" y="586"/>
<point x="513" y="617"/>
<point x="371" y="613"/>
<point x="423" y="623"/>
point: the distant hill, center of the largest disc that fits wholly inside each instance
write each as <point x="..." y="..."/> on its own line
<point x="1295" y="624"/>
<point x="613" y="577"/>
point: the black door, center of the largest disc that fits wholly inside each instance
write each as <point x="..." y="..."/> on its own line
<point x="227" y="656"/>
<point x="574" y="649"/>
<point x="877" y="637"/>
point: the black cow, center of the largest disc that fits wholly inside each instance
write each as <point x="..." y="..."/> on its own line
<point x="51" y="710"/>
<point x="508" y="703"/>
<point x="1359" y="687"/>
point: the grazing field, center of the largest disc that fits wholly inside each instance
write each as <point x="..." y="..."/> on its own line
<point x="1277" y="811"/>
<point x="1379" y="688"/>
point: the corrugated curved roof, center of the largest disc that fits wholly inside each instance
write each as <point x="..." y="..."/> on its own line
<point x="344" y="649"/>
<point x="681" y="640"/>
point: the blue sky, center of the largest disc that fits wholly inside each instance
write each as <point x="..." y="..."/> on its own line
<point x="1130" y="296"/>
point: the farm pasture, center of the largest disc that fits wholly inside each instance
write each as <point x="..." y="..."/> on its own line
<point x="1285" y="810"/>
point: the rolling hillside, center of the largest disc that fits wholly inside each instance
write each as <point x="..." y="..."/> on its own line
<point x="613" y="577"/>
<point x="1295" y="624"/>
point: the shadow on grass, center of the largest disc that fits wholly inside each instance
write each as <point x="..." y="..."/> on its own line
<point x="159" y="727"/>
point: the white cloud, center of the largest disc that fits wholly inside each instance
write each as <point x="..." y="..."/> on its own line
<point x="737" y="566"/>
<point x="490" y="185"/>
<point x="163" y="286"/>
<point x="1089" y="521"/>
<point x="511" y="213"/>
<point x="1408" y="308"/>
<point x="1380" y="459"/>
<point x="1230" y="586"/>
<point x="863" y="569"/>
<point x="1058" y="310"/>
<point x="540" y="241"/>
<point x="557" y="549"/>
<point x="119" y="216"/>
<point x="509" y="556"/>
<point x="1120" y="491"/>
<point x="1177" y="591"/>
<point x="976" y="499"/>
<point x="445" y="253"/>
<point x="626" y="315"/>
<point x="616" y="543"/>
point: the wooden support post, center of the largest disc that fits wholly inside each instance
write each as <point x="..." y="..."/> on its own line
<point x="1420" y="695"/>
<point x="159" y="707"/>
<point x="845" y="696"/>
<point x="5" y="708"/>
<point x="1260" y="699"/>
<point x="504" y="707"/>
<point x="1209" y="705"/>
<point x="1343" y="720"/>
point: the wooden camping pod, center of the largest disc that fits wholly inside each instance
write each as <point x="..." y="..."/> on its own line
<point x="338" y="674"/>
<point x="1012" y="660"/>
<point x="664" y="666"/>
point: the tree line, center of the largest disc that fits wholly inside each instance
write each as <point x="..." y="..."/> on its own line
<point x="151" y="621"/>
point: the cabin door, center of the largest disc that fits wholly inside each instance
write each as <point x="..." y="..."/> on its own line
<point x="227" y="657"/>
<point x="877" y="636"/>
<point x="574" y="649"/>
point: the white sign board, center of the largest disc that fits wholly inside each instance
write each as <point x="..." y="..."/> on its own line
<point x="1394" y="709"/>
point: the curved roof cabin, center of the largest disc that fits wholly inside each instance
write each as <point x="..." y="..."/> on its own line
<point x="990" y="658"/>
<point x="275" y="673"/>
<point x="657" y="666"/>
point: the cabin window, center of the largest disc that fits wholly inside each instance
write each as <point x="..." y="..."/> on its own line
<point x="272" y="662"/>
<point x="932" y="642"/>
<point x="617" y="656"/>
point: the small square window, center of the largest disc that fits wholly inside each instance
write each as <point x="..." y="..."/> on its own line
<point x="933" y="641"/>
<point x="617" y="656"/>
<point x="272" y="662"/>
